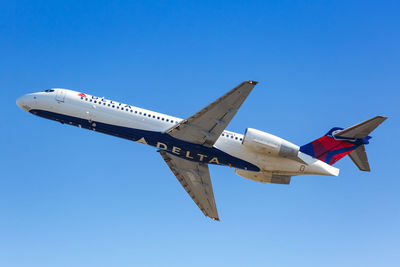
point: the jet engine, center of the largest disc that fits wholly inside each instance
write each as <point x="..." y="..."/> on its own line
<point x="266" y="143"/>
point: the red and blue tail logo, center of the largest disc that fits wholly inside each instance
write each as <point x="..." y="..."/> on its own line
<point x="330" y="149"/>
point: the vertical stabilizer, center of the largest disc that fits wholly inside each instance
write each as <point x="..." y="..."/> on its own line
<point x="339" y="142"/>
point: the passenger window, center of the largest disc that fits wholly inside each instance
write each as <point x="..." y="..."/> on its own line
<point x="162" y="119"/>
<point x="90" y="100"/>
<point x="167" y="120"/>
<point x="95" y="101"/>
<point x="113" y="106"/>
<point x="122" y="108"/>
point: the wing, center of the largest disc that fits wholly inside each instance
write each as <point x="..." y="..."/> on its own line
<point x="205" y="126"/>
<point x="195" y="179"/>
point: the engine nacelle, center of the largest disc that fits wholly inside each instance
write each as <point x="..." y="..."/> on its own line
<point x="264" y="177"/>
<point x="266" y="143"/>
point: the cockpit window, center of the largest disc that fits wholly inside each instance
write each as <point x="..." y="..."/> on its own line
<point x="49" y="90"/>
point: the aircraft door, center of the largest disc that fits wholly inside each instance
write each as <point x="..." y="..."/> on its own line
<point x="60" y="95"/>
<point x="90" y="113"/>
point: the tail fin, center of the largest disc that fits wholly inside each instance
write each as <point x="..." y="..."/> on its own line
<point x="339" y="142"/>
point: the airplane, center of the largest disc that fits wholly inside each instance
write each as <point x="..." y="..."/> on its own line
<point x="189" y="145"/>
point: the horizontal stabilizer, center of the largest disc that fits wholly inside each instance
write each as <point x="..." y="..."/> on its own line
<point x="339" y="142"/>
<point x="359" y="157"/>
<point x="361" y="130"/>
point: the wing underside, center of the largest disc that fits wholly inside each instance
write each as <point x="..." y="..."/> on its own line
<point x="205" y="126"/>
<point x="195" y="179"/>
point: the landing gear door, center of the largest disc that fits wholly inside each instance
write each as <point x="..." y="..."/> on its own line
<point x="60" y="95"/>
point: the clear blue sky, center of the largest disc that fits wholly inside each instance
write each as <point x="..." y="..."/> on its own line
<point x="71" y="197"/>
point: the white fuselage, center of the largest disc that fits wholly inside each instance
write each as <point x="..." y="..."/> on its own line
<point x="145" y="126"/>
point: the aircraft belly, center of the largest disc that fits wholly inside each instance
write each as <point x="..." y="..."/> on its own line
<point x="186" y="150"/>
<point x="198" y="153"/>
<point x="229" y="153"/>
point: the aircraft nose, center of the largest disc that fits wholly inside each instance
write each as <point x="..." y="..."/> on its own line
<point x="22" y="102"/>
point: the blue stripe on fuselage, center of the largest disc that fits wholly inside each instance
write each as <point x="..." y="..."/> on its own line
<point x="186" y="150"/>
